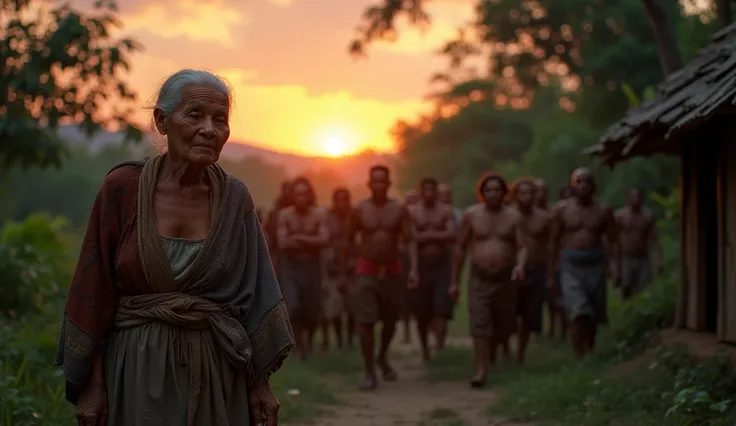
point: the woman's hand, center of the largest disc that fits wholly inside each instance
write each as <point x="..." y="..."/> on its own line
<point x="92" y="409"/>
<point x="264" y="406"/>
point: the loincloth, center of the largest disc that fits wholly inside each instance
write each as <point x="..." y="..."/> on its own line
<point x="431" y="298"/>
<point x="492" y="303"/>
<point x="583" y="284"/>
<point x="301" y="284"/>
<point x="531" y="296"/>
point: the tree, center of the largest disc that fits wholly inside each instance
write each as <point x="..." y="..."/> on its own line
<point x="57" y="67"/>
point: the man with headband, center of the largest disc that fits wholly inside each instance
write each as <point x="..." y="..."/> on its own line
<point x="490" y="230"/>
<point x="581" y="228"/>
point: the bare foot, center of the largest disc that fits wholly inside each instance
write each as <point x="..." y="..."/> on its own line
<point x="369" y="383"/>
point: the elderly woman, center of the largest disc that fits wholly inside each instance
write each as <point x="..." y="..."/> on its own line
<point x="174" y="315"/>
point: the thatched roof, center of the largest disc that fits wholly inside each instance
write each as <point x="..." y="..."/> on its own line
<point x="686" y="100"/>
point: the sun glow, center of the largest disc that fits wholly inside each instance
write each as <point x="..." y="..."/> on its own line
<point x="335" y="147"/>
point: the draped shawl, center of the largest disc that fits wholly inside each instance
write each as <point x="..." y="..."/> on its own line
<point x="123" y="279"/>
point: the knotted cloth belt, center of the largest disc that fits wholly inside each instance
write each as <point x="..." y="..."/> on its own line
<point x="190" y="316"/>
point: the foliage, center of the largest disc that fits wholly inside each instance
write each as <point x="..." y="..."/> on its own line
<point x="58" y="64"/>
<point x="34" y="265"/>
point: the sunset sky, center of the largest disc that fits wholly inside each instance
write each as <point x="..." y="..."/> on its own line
<point x="296" y="87"/>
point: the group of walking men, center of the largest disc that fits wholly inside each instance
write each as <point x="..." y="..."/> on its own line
<point x="384" y="260"/>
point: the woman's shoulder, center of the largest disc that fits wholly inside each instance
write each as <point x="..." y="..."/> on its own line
<point x="123" y="175"/>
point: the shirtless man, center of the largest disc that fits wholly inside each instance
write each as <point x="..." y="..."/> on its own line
<point x="498" y="258"/>
<point x="535" y="224"/>
<point x="555" y="307"/>
<point x="302" y="235"/>
<point x="338" y="221"/>
<point x="581" y="228"/>
<point x="410" y="198"/>
<point x="445" y="196"/>
<point x="637" y="233"/>
<point x="541" y="194"/>
<point x="376" y="295"/>
<point x="272" y="224"/>
<point x="434" y="234"/>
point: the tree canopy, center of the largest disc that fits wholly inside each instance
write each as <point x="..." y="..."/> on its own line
<point x="56" y="67"/>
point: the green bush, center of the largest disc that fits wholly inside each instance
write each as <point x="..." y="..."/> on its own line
<point x="35" y="265"/>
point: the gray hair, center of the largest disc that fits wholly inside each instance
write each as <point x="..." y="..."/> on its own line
<point x="169" y="95"/>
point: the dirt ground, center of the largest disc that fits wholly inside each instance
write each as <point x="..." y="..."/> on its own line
<point x="412" y="400"/>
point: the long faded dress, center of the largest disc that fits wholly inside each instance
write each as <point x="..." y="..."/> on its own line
<point x="188" y="327"/>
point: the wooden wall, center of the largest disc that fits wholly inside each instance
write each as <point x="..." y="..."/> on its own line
<point x="697" y="293"/>
<point x="727" y="239"/>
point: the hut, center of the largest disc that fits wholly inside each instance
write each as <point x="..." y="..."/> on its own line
<point x="693" y="116"/>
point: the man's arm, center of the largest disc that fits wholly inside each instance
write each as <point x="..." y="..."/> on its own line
<point x="408" y="232"/>
<point x="614" y="247"/>
<point x="521" y="240"/>
<point x="282" y="232"/>
<point x="322" y="239"/>
<point x="352" y="230"/>
<point x="553" y="250"/>
<point x="463" y="240"/>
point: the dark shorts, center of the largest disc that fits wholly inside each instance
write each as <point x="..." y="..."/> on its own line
<point x="531" y="297"/>
<point x="372" y="299"/>
<point x="301" y="285"/>
<point x="636" y="273"/>
<point x="492" y="304"/>
<point x="583" y="284"/>
<point x="431" y="298"/>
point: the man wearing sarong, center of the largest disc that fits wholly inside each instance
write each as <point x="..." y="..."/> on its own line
<point x="637" y="233"/>
<point x="555" y="305"/>
<point x="535" y="224"/>
<point x="335" y="303"/>
<point x="434" y="234"/>
<point x="491" y="230"/>
<point x="376" y="295"/>
<point x="174" y="316"/>
<point x="272" y="223"/>
<point x="445" y="196"/>
<point x="580" y="229"/>
<point x="302" y="235"/>
<point x="541" y="194"/>
<point x="410" y="198"/>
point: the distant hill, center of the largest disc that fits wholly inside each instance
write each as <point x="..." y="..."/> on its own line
<point x="353" y="169"/>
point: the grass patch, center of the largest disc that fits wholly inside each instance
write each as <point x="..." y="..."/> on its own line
<point x="314" y="391"/>
<point x="441" y="417"/>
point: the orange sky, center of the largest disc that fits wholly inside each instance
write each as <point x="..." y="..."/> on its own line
<point x="296" y="87"/>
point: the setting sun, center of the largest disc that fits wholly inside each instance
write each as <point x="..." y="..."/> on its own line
<point x="335" y="147"/>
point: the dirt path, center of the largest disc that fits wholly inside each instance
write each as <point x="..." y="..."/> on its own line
<point x="410" y="401"/>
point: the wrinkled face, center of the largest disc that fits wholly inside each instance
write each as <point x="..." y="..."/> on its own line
<point x="302" y="195"/>
<point x="493" y="192"/>
<point x="525" y="194"/>
<point x="412" y="197"/>
<point x="444" y="194"/>
<point x="635" y="198"/>
<point x="429" y="192"/>
<point x="342" y="200"/>
<point x="584" y="184"/>
<point x="379" y="183"/>
<point x="199" y="127"/>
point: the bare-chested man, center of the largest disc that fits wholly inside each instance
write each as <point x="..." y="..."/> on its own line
<point x="555" y="305"/>
<point x="637" y="233"/>
<point x="498" y="258"/>
<point x="302" y="235"/>
<point x="272" y="223"/>
<point x="410" y="198"/>
<point x="376" y="295"/>
<point x="445" y="196"/>
<point x="535" y="224"/>
<point x="434" y="234"/>
<point x="335" y="303"/>
<point x="541" y="195"/>
<point x="581" y="228"/>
